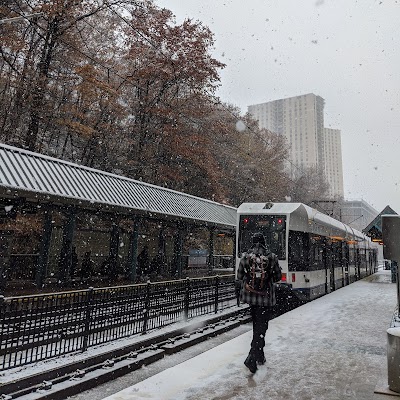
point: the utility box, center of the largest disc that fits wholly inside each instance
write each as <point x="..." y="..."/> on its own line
<point x="391" y="247"/>
<point x="391" y="237"/>
<point x="393" y="271"/>
<point x="393" y="358"/>
<point x="391" y="251"/>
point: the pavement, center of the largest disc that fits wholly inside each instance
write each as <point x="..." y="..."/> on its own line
<point x="332" y="348"/>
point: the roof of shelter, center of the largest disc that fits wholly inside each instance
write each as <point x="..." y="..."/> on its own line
<point x="374" y="229"/>
<point x="43" y="179"/>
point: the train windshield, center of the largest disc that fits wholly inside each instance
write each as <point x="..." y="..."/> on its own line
<point x="273" y="228"/>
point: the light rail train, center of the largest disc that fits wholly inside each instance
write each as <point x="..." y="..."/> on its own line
<point x="317" y="253"/>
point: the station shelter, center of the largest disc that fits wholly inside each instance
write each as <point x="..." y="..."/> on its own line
<point x="64" y="225"/>
<point x="374" y="231"/>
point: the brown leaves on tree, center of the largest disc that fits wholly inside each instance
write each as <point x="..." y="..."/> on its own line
<point x="121" y="87"/>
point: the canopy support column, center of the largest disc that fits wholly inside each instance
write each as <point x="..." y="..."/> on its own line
<point x="133" y="250"/>
<point x="113" y="253"/>
<point x="66" y="248"/>
<point x="44" y="249"/>
<point x="178" y="247"/>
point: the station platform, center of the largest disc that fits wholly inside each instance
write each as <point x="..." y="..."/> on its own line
<point x="331" y="348"/>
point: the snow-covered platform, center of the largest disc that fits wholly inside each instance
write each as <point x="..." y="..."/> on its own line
<point x="332" y="348"/>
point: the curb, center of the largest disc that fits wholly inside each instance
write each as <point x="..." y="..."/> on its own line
<point x="78" y="376"/>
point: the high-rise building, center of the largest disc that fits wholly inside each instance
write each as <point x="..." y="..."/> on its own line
<point x="301" y="120"/>
<point x="333" y="168"/>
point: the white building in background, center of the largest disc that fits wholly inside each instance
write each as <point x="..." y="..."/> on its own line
<point x="333" y="162"/>
<point x="357" y="213"/>
<point x="301" y="120"/>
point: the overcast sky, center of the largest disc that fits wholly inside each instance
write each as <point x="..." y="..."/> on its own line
<point x="346" y="51"/>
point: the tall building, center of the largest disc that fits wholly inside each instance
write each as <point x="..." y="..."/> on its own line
<point x="333" y="162"/>
<point x="301" y="120"/>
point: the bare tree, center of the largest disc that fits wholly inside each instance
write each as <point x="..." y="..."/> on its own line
<point x="308" y="184"/>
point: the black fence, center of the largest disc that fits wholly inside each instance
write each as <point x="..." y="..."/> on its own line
<point x="34" y="328"/>
<point x="22" y="269"/>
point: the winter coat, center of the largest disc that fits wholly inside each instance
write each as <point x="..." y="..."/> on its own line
<point x="274" y="274"/>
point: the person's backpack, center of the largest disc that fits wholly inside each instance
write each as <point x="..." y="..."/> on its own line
<point x="258" y="274"/>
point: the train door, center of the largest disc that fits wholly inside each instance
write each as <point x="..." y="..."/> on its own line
<point x="338" y="268"/>
<point x="357" y="259"/>
<point x="329" y="274"/>
<point x="346" y="257"/>
<point x="352" y="263"/>
<point x="324" y="251"/>
<point x="331" y="261"/>
<point x="362" y="263"/>
<point x="367" y="262"/>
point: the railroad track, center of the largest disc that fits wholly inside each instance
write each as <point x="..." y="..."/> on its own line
<point x="77" y="377"/>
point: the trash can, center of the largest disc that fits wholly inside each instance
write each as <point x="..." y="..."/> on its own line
<point x="393" y="358"/>
<point x="393" y="270"/>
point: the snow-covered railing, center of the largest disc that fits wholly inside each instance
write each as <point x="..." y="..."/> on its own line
<point x="38" y="327"/>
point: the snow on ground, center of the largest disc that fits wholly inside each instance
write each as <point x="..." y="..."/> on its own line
<point x="332" y="348"/>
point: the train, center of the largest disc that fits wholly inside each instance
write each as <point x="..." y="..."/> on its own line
<point x="317" y="253"/>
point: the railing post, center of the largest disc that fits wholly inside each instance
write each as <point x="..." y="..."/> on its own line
<point x="146" y="308"/>
<point x="187" y="299"/>
<point x="133" y="250"/>
<point x="217" y="279"/>
<point x="3" y="319"/>
<point x="88" y="310"/>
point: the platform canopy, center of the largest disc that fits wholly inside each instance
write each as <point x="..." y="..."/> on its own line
<point x="45" y="180"/>
<point x="374" y="229"/>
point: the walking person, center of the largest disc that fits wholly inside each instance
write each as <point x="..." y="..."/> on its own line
<point x="258" y="270"/>
<point x="143" y="263"/>
<point x="87" y="267"/>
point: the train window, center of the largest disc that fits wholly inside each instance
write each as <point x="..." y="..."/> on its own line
<point x="337" y="254"/>
<point x="362" y="258"/>
<point x="352" y="256"/>
<point x="298" y="251"/>
<point x="316" y="252"/>
<point x="272" y="227"/>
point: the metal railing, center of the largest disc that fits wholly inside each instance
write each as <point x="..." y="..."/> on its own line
<point x="38" y="327"/>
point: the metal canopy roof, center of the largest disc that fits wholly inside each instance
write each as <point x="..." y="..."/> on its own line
<point x="44" y="179"/>
<point x="374" y="229"/>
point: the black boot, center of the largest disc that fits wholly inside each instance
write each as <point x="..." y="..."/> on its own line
<point x="261" y="358"/>
<point x="251" y="363"/>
